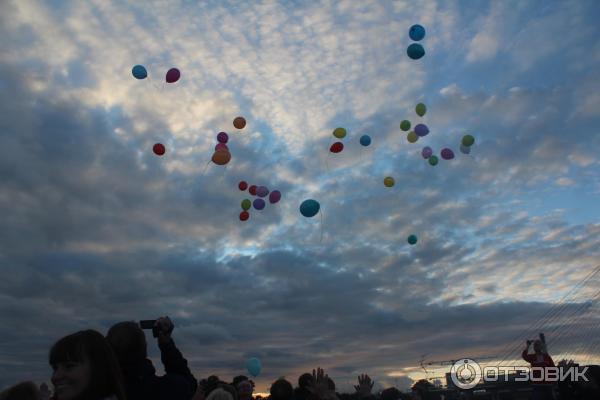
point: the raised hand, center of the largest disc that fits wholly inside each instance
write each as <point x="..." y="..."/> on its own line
<point x="364" y="385"/>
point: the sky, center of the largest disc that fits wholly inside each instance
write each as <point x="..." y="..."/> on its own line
<point x="97" y="229"/>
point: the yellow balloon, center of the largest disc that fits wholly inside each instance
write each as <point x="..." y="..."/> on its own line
<point x="339" y="133"/>
<point x="388" y="181"/>
<point x="412" y="137"/>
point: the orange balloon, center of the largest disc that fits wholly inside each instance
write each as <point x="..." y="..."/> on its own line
<point x="239" y="122"/>
<point x="221" y="157"/>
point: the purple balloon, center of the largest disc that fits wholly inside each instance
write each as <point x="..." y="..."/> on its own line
<point x="447" y="154"/>
<point x="465" y="149"/>
<point x="275" y="196"/>
<point x="262" y="191"/>
<point x="172" y="75"/>
<point x="221" y="146"/>
<point x="426" y="152"/>
<point x="222" y="137"/>
<point x="421" y="130"/>
<point x="258" y="204"/>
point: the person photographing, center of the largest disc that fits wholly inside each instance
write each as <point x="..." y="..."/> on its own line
<point x="128" y="341"/>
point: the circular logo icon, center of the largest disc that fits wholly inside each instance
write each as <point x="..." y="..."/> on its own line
<point x="465" y="373"/>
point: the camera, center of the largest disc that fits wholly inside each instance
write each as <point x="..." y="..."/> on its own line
<point x="149" y="324"/>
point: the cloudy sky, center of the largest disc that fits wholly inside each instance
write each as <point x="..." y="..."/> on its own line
<point x="97" y="229"/>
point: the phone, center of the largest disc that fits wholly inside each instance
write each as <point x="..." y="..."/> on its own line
<point x="149" y="324"/>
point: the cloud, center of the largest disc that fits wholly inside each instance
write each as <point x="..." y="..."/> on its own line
<point x="96" y="229"/>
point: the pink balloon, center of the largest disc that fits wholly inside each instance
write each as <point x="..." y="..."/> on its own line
<point x="274" y="196"/>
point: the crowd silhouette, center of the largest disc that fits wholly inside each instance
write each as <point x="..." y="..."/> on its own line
<point x="87" y="365"/>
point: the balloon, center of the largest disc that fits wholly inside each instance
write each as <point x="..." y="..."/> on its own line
<point x="405" y="125"/>
<point x="158" y="149"/>
<point x="388" y="181"/>
<point x="244" y="215"/>
<point x="243" y="185"/>
<point x="221" y="157"/>
<point x="258" y="204"/>
<point x="221" y="146"/>
<point x="139" y="72"/>
<point x="412" y="137"/>
<point x="336" y="147"/>
<point x="222" y="137"/>
<point x="173" y="75"/>
<point x="465" y="149"/>
<point x="262" y="191"/>
<point x="253" y="366"/>
<point x="239" y="122"/>
<point x="309" y="208"/>
<point x="468" y="140"/>
<point x="339" y="133"/>
<point x="447" y="154"/>
<point x="365" y="140"/>
<point x="421" y="130"/>
<point x="433" y="160"/>
<point x="415" y="51"/>
<point x="252" y="190"/>
<point x="246" y="204"/>
<point x="426" y="152"/>
<point x="274" y="196"/>
<point x="416" y="32"/>
<point x="412" y="239"/>
<point x="421" y="109"/>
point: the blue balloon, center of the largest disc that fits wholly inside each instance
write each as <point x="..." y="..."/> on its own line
<point x="259" y="204"/>
<point x="309" y="208"/>
<point x="421" y="130"/>
<point x="365" y="140"/>
<point x="139" y="72"/>
<point x="253" y="366"/>
<point x="416" y="32"/>
<point x="415" y="51"/>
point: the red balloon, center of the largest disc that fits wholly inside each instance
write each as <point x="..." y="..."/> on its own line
<point x="243" y="185"/>
<point x="221" y="146"/>
<point x="158" y="149"/>
<point x="244" y="215"/>
<point x="336" y="147"/>
<point x="173" y="75"/>
<point x="252" y="190"/>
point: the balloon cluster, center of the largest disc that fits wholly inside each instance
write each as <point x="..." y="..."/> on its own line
<point x="420" y="130"/>
<point x="221" y="156"/>
<point x="446" y="153"/>
<point x="139" y="72"/>
<point x="415" y="50"/>
<point x="259" y="203"/>
<point x="338" y="146"/>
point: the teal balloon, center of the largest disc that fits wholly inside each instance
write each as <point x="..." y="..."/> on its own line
<point x="416" y="32"/>
<point x="139" y="72"/>
<point x="253" y="366"/>
<point x="365" y="140"/>
<point x="309" y="208"/>
<point x="415" y="51"/>
<point x="412" y="239"/>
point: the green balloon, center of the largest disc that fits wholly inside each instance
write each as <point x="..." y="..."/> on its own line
<point x="421" y="109"/>
<point x="405" y="125"/>
<point x="468" y="140"/>
<point x="339" y="133"/>
<point x="412" y="137"/>
<point x="246" y="204"/>
<point x="433" y="160"/>
<point x="412" y="239"/>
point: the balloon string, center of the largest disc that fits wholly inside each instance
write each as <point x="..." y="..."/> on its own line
<point x="206" y="166"/>
<point x="321" y="226"/>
